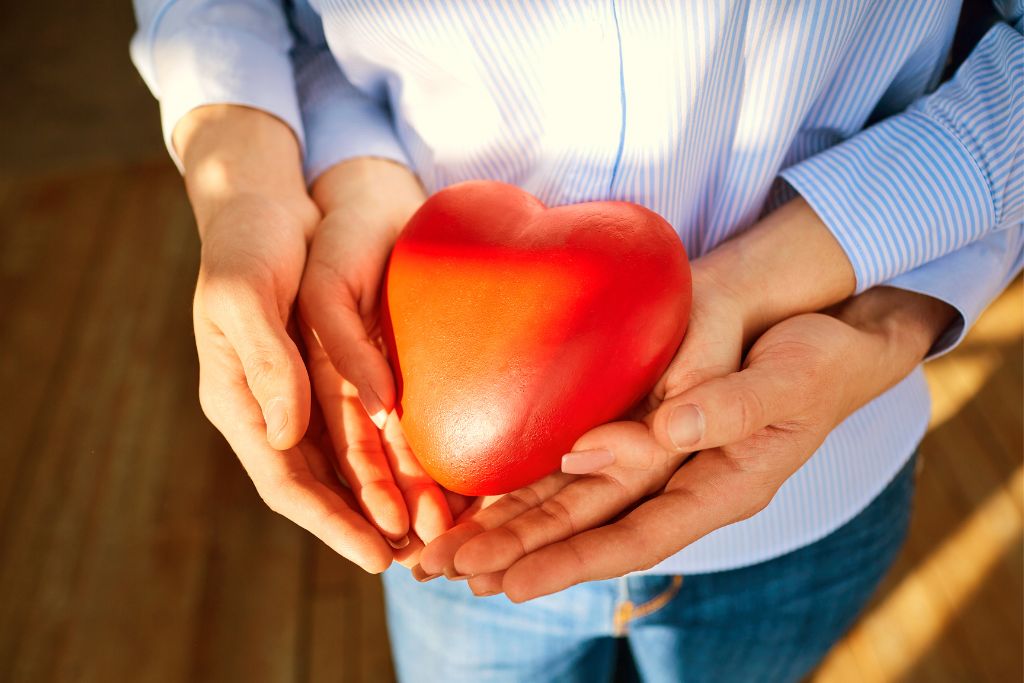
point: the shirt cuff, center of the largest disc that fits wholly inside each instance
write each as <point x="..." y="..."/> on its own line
<point x="340" y="121"/>
<point x="196" y="65"/>
<point x="897" y="195"/>
<point x="968" y="280"/>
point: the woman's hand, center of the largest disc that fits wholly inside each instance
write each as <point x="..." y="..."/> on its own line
<point x="366" y="202"/>
<point x="254" y="216"/>
<point x="754" y="429"/>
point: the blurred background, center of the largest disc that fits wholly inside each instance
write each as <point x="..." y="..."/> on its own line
<point x="133" y="547"/>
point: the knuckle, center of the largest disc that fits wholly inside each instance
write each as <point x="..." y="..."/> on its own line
<point x="272" y="498"/>
<point x="755" y="503"/>
<point x="207" y="402"/>
<point x="260" y="367"/>
<point x="323" y="517"/>
<point x="419" y="487"/>
<point x="750" y="408"/>
<point x="211" y="402"/>
<point x="363" y="446"/>
<point x="525" y="498"/>
<point x="559" y="515"/>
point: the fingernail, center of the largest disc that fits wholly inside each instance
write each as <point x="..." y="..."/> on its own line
<point x="585" y="462"/>
<point x="452" y="576"/>
<point x="374" y="407"/>
<point x="485" y="594"/>
<point x="422" y="576"/>
<point x="276" y="417"/>
<point x="400" y="543"/>
<point x="685" y="426"/>
<point x="379" y="418"/>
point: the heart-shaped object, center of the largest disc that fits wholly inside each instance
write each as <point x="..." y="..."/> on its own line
<point x="513" y="328"/>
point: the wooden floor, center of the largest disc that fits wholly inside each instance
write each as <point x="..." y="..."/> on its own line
<point x="133" y="548"/>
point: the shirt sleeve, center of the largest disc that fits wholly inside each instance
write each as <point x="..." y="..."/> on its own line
<point x="968" y="280"/>
<point x="939" y="176"/>
<point x="198" y="52"/>
<point x="340" y="121"/>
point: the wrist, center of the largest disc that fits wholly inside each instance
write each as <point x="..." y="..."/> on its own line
<point x="909" y="322"/>
<point x="236" y="154"/>
<point x="375" y="193"/>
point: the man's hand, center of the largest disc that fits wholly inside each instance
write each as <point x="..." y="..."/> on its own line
<point x="244" y="180"/>
<point x="563" y="503"/>
<point x="787" y="264"/>
<point x="366" y="203"/>
<point x="753" y="429"/>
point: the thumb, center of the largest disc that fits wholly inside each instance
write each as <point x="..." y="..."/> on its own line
<point x="273" y="367"/>
<point x="722" y="411"/>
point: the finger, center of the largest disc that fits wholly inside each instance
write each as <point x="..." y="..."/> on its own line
<point x="409" y="556"/>
<point x="484" y="585"/>
<point x="623" y="445"/>
<point x="725" y="410"/>
<point x="323" y="463"/>
<point x="460" y="504"/>
<point x="335" y="516"/>
<point x="360" y="455"/>
<point x="332" y="310"/>
<point x="428" y="509"/>
<point x="250" y="320"/>
<point x="706" y="494"/>
<point x="284" y="479"/>
<point x="581" y="505"/>
<point x="439" y="555"/>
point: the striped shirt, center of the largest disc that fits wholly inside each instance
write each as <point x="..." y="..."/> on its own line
<point x="707" y="111"/>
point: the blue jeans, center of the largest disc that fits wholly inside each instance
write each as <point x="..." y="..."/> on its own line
<point x="772" y="621"/>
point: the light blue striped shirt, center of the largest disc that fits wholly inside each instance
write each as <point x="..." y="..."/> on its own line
<point x="709" y="112"/>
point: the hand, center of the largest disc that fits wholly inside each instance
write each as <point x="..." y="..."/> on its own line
<point x="365" y="202"/>
<point x="787" y="264"/>
<point x="243" y="177"/>
<point x="757" y="427"/>
<point x="564" y="503"/>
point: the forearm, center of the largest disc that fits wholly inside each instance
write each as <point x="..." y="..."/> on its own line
<point x="231" y="152"/>
<point x="788" y="263"/>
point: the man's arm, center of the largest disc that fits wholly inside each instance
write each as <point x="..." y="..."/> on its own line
<point x="937" y="177"/>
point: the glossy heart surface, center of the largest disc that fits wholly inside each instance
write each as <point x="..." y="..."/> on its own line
<point x="513" y="328"/>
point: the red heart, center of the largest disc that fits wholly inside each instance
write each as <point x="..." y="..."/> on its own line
<point x="513" y="328"/>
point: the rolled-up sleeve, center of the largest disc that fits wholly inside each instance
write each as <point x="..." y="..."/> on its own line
<point x="340" y="121"/>
<point x="193" y="53"/>
<point x="927" y="182"/>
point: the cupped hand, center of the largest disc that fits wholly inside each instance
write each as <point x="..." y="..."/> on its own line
<point x="632" y="464"/>
<point x="253" y="384"/>
<point x="754" y="429"/>
<point x="255" y="217"/>
<point x="365" y="203"/>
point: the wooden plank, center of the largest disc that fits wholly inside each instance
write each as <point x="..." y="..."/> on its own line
<point x="161" y="545"/>
<point x="41" y="494"/>
<point x="348" y="637"/>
